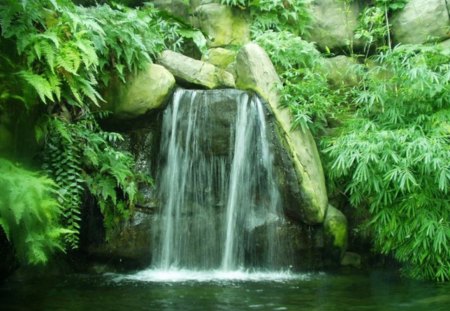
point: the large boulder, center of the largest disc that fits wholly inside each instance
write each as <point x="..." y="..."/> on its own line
<point x="335" y="233"/>
<point x="194" y="72"/>
<point x="149" y="89"/>
<point x="222" y="25"/>
<point x="256" y="72"/>
<point x="421" y="21"/>
<point x="333" y="23"/>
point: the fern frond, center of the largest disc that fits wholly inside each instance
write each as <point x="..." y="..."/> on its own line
<point x="40" y="84"/>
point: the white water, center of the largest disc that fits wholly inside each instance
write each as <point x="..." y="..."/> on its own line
<point x="183" y="275"/>
<point x="221" y="207"/>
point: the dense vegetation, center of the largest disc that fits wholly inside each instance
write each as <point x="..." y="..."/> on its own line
<point x="55" y="57"/>
<point x="390" y="153"/>
<point x="384" y="138"/>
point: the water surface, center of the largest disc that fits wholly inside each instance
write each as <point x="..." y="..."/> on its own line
<point x="146" y="290"/>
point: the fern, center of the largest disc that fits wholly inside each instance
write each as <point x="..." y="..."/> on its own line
<point x="80" y="157"/>
<point x="29" y="213"/>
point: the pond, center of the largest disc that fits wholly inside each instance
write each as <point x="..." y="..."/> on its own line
<point x="153" y="290"/>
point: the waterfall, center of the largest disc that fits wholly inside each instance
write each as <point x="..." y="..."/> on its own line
<point x="220" y="203"/>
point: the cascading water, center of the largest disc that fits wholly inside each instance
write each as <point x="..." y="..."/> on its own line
<point x="220" y="203"/>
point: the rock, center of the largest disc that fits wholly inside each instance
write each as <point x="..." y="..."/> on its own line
<point x="256" y="72"/>
<point x="445" y="47"/>
<point x="421" y="21"/>
<point x="341" y="71"/>
<point x="178" y="8"/>
<point x="222" y="25"/>
<point x="220" y="57"/>
<point x="191" y="71"/>
<point x="351" y="260"/>
<point x="302" y="245"/>
<point x="335" y="231"/>
<point x="129" y="245"/>
<point x="231" y="68"/>
<point x="148" y="90"/>
<point x="333" y="23"/>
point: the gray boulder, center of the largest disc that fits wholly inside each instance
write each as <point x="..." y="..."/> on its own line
<point x="194" y="72"/>
<point x="421" y="21"/>
<point x="256" y="72"/>
<point x="222" y="25"/>
<point x="333" y="23"/>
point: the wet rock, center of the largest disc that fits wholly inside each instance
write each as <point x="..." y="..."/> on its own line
<point x="350" y="259"/>
<point x="335" y="231"/>
<point x="129" y="245"/>
<point x="256" y="72"/>
<point x="218" y="121"/>
<point x="195" y="72"/>
<point x="421" y="21"/>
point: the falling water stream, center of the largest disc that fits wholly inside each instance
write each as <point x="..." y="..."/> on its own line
<point x="220" y="203"/>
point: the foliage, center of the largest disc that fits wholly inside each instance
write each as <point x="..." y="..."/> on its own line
<point x="29" y="212"/>
<point x="79" y="155"/>
<point x="374" y="27"/>
<point x="394" y="158"/>
<point x="58" y="54"/>
<point x="276" y="15"/>
<point x="65" y="48"/>
<point x="305" y="90"/>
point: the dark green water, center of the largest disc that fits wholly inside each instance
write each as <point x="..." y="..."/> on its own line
<point x="362" y="291"/>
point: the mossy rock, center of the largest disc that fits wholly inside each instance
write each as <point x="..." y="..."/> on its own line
<point x="336" y="233"/>
<point x="256" y="72"/>
<point x="220" y="57"/>
<point x="148" y="90"/>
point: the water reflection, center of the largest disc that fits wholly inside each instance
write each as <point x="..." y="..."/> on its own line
<point x="317" y="292"/>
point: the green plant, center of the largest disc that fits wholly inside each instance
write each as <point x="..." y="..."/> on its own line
<point x="374" y="27"/>
<point x="29" y="213"/>
<point x="79" y="155"/>
<point x="276" y="15"/>
<point x="58" y="55"/>
<point x="393" y="157"/>
<point x="304" y="90"/>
